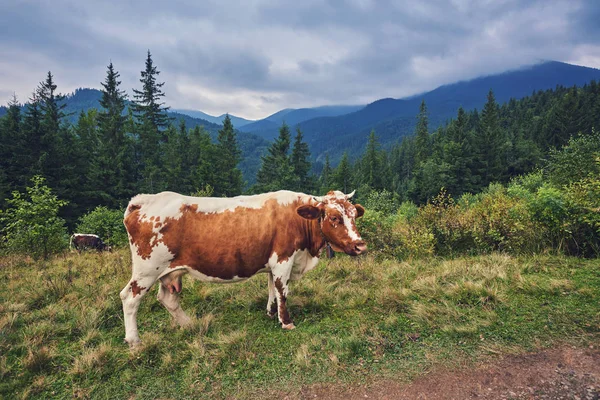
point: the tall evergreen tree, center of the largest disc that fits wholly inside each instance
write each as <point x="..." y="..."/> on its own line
<point x="13" y="153"/>
<point x="372" y="168"/>
<point x="147" y="104"/>
<point x="342" y="175"/>
<point x="422" y="142"/>
<point x="202" y="157"/>
<point x="301" y="164"/>
<point x="490" y="143"/>
<point x="229" y="178"/>
<point x="326" y="176"/>
<point x="152" y="118"/>
<point x="276" y="171"/>
<point x="114" y="166"/>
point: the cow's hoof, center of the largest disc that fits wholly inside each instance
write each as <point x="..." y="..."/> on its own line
<point x="133" y="343"/>
<point x="289" y="326"/>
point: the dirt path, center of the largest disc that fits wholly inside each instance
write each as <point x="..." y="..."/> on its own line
<point x="564" y="373"/>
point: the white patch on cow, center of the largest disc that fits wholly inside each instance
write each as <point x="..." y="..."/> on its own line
<point x="303" y="262"/>
<point x="350" y="228"/>
<point x="168" y="204"/>
<point x="86" y="234"/>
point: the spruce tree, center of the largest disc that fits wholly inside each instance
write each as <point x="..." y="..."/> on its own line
<point x="372" y="164"/>
<point x="229" y="178"/>
<point x="276" y="171"/>
<point x="13" y="153"/>
<point x="326" y="176"/>
<point x="301" y="164"/>
<point x="114" y="162"/>
<point x="422" y="142"/>
<point x="342" y="176"/>
<point x="490" y="143"/>
<point x="202" y="156"/>
<point x="147" y="104"/>
<point x="152" y="118"/>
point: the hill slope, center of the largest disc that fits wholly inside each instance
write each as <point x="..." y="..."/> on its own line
<point x="238" y="122"/>
<point x="394" y="118"/>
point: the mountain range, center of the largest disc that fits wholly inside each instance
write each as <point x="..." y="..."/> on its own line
<point x="334" y="129"/>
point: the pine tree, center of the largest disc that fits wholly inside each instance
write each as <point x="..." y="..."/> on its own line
<point x="457" y="156"/>
<point x="490" y="143"/>
<point x="301" y="164"/>
<point x="276" y="171"/>
<point x="147" y="104"/>
<point x="326" y="176"/>
<point x="152" y="118"/>
<point x="202" y="157"/>
<point x="229" y="178"/>
<point x="372" y="170"/>
<point x="114" y="162"/>
<point x="13" y="153"/>
<point x="342" y="175"/>
<point x="422" y="142"/>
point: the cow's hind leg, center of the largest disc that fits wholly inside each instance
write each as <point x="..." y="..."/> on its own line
<point x="168" y="295"/>
<point x="131" y="296"/>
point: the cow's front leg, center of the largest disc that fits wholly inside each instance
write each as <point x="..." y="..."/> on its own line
<point x="272" y="302"/>
<point x="281" y="275"/>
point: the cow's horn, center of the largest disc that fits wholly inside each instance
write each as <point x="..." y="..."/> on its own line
<point x="349" y="196"/>
<point x="318" y="199"/>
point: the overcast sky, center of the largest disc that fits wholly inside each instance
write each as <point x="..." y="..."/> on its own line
<point x="254" y="57"/>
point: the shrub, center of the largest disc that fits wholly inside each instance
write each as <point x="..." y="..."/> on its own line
<point x="376" y="228"/>
<point x="106" y="223"/>
<point x="502" y="222"/>
<point x="383" y="201"/>
<point x="575" y="160"/>
<point x="31" y="224"/>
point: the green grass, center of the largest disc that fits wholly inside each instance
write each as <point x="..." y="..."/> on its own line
<point x="61" y="328"/>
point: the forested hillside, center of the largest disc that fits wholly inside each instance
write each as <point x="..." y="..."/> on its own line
<point x="393" y="119"/>
<point x="127" y="146"/>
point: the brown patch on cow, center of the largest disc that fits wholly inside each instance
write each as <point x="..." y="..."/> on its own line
<point x="152" y="218"/>
<point x="133" y="207"/>
<point x="188" y="208"/>
<point x="141" y="233"/>
<point x="135" y="289"/>
<point x="157" y="219"/>
<point x="239" y="242"/>
<point x="157" y="225"/>
<point x="284" y="316"/>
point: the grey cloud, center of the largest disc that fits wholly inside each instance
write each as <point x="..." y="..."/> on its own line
<point x="267" y="55"/>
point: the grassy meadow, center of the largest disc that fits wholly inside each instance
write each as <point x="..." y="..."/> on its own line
<point x="61" y="327"/>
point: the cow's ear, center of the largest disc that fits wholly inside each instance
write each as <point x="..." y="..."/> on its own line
<point x="309" y="212"/>
<point x="360" y="211"/>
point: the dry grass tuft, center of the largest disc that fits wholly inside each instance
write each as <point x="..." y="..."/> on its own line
<point x="91" y="359"/>
<point x="38" y="360"/>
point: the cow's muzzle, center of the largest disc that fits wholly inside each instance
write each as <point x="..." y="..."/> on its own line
<point x="358" y="248"/>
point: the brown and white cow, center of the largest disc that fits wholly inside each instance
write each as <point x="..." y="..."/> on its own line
<point x="86" y="241"/>
<point x="229" y="240"/>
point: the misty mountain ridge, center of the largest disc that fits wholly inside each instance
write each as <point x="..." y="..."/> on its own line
<point x="334" y="129"/>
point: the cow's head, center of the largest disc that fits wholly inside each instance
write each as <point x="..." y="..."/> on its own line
<point x="337" y="219"/>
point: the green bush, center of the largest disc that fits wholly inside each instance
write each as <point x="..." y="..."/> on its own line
<point x="376" y="228"/>
<point x="501" y="222"/>
<point x="106" y="223"/>
<point x="574" y="161"/>
<point x="31" y="225"/>
<point x="383" y="201"/>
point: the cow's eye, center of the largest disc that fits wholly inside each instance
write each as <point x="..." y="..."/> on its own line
<point x="334" y="219"/>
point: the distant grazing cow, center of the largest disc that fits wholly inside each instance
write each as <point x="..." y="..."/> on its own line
<point x="85" y="241"/>
<point x="229" y="240"/>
